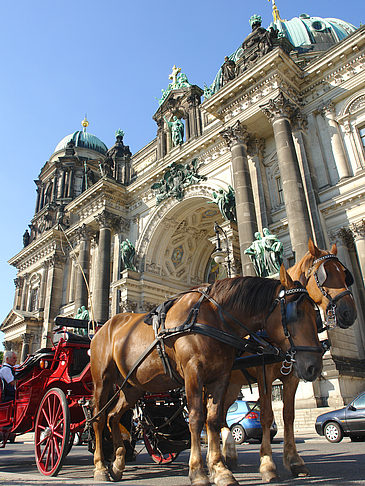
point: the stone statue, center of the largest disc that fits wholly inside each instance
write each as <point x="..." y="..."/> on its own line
<point x="259" y="36"/>
<point x="228" y="70"/>
<point x="176" y="128"/>
<point x="128" y="253"/>
<point x="176" y="178"/>
<point x="226" y="203"/>
<point x="82" y="313"/>
<point x="273" y="252"/>
<point x="256" y="253"/>
<point x="26" y="238"/>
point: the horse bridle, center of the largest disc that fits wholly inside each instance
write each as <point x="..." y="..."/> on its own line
<point x="289" y="314"/>
<point x="320" y="277"/>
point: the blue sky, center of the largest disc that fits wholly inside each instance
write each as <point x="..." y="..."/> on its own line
<point x="110" y="59"/>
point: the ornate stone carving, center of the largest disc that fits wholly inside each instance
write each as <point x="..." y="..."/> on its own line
<point x="358" y="229"/>
<point x="176" y="179"/>
<point x="235" y="134"/>
<point x="279" y="107"/>
<point x="106" y="220"/>
<point x="256" y="147"/>
<point x="357" y="104"/>
<point x="226" y="202"/>
<point x="83" y="233"/>
<point x="128" y="305"/>
<point x="346" y="236"/>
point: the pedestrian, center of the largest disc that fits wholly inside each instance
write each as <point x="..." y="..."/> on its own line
<point x="7" y="375"/>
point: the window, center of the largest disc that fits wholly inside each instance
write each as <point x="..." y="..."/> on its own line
<point x="362" y="136"/>
<point x="279" y="188"/>
<point x="359" y="402"/>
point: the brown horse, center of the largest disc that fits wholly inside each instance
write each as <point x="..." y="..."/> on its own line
<point x="201" y="352"/>
<point x="327" y="281"/>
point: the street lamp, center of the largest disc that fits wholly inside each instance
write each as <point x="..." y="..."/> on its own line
<point x="222" y="256"/>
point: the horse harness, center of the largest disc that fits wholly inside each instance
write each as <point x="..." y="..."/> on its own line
<point x="256" y="343"/>
<point x="320" y="276"/>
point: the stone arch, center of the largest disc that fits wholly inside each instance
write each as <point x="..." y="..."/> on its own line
<point x="175" y="242"/>
<point x="354" y="104"/>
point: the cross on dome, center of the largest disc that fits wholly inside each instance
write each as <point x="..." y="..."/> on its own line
<point x="174" y="73"/>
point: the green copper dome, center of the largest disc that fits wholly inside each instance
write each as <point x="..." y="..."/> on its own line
<point x="83" y="139"/>
<point x="313" y="33"/>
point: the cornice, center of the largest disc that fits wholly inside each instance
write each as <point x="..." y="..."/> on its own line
<point x="275" y="70"/>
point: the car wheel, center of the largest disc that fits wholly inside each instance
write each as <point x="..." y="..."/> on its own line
<point x="333" y="432"/>
<point x="238" y="433"/>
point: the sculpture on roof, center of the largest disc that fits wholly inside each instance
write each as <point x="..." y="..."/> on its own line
<point x="26" y="238"/>
<point x="228" y="70"/>
<point x="259" y="37"/>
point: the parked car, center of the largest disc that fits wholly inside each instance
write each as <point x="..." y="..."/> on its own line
<point x="243" y="418"/>
<point x="345" y="422"/>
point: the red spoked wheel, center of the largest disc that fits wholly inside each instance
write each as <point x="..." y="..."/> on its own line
<point x="156" y="455"/>
<point x="52" y="432"/>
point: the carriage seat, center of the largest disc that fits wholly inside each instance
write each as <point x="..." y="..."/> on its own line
<point x="70" y="337"/>
<point x="32" y="361"/>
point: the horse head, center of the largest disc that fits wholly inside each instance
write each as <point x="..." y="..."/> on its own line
<point x="327" y="281"/>
<point x="297" y="336"/>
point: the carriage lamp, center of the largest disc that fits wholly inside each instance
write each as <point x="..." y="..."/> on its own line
<point x="222" y="256"/>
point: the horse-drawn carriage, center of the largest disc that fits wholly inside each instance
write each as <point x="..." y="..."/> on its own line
<point x="53" y="400"/>
<point x="133" y="354"/>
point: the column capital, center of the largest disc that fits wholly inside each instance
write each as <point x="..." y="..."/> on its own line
<point x="358" y="229"/>
<point x="279" y="107"/>
<point x="18" y="282"/>
<point x="344" y="236"/>
<point x="26" y="337"/>
<point x="56" y="260"/>
<point x="328" y="109"/>
<point x="236" y="134"/>
<point x="83" y="233"/>
<point x="106" y="220"/>
<point x="299" y="121"/>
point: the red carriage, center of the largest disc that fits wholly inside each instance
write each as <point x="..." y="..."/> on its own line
<point x="53" y="400"/>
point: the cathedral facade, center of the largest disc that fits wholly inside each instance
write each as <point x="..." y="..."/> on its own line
<point x="283" y="123"/>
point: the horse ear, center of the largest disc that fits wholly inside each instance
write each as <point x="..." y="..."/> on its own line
<point x="313" y="250"/>
<point x="334" y="249"/>
<point x="285" y="278"/>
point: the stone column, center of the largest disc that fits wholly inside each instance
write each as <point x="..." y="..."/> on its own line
<point x="278" y="112"/>
<point x="43" y="289"/>
<point x="102" y="271"/>
<point x="24" y="293"/>
<point x="18" y="282"/>
<point x="195" y="123"/>
<point x="70" y="183"/>
<point x="53" y="295"/>
<point x="26" y="337"/>
<point x="237" y="137"/>
<point x="256" y="154"/>
<point x="329" y="112"/>
<point x="299" y="125"/>
<point x="82" y="269"/>
<point x="358" y="229"/>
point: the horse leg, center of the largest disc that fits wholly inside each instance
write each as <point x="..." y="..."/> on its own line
<point x="292" y="460"/>
<point x="194" y="397"/>
<point x="220" y="475"/>
<point x="229" y="450"/>
<point x="126" y="401"/>
<point x="101" y="393"/>
<point x="267" y="465"/>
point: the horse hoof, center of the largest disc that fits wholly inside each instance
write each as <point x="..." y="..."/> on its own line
<point x="199" y="480"/>
<point x="101" y="476"/>
<point x="299" y="471"/>
<point x="225" y="480"/>
<point x="269" y="477"/>
<point x="115" y="473"/>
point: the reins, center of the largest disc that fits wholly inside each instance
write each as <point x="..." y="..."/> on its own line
<point x="259" y="344"/>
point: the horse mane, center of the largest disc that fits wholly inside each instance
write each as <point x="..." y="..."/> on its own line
<point x="249" y="295"/>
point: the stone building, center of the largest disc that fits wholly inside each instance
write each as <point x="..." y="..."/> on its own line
<point x="283" y="123"/>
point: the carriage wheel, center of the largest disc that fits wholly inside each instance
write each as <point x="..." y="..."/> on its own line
<point x="156" y="455"/>
<point x="52" y="432"/>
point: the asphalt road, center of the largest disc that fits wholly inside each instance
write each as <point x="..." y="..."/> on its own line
<point x="330" y="464"/>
